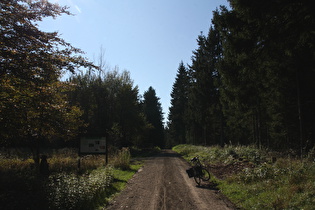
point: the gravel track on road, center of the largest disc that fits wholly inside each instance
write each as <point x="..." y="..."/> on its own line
<point x="162" y="183"/>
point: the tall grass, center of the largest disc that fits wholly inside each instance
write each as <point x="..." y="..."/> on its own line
<point x="286" y="183"/>
<point x="122" y="159"/>
<point x="66" y="187"/>
<point x="226" y="155"/>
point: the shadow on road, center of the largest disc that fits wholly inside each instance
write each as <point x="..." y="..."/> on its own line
<point x="209" y="186"/>
<point x="167" y="153"/>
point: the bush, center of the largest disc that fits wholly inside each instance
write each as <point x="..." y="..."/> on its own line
<point x="70" y="191"/>
<point x="227" y="154"/>
<point x="20" y="181"/>
<point x="122" y="159"/>
<point x="283" y="183"/>
<point x="187" y="150"/>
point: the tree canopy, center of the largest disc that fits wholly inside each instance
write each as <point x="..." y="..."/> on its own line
<point x="250" y="78"/>
<point x="111" y="106"/>
<point x="179" y="105"/>
<point x="153" y="112"/>
<point x="33" y="106"/>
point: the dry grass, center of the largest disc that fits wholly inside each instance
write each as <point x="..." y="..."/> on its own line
<point x="66" y="186"/>
<point x="286" y="183"/>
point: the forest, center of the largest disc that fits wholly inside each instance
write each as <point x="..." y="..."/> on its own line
<point x="250" y="81"/>
<point x="38" y="108"/>
<point x="245" y="104"/>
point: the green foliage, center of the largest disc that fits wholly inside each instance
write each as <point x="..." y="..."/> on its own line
<point x="111" y="106"/>
<point x="122" y="159"/>
<point x="286" y="184"/>
<point x="70" y="191"/>
<point x="227" y="154"/>
<point x="204" y="117"/>
<point x="153" y="113"/>
<point x="121" y="178"/>
<point x="178" y="110"/>
<point x="33" y="104"/>
<point x="264" y="72"/>
<point x="249" y="81"/>
<point x="66" y="160"/>
<point x="65" y="187"/>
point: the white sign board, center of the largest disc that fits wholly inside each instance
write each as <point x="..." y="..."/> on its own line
<point x="93" y="145"/>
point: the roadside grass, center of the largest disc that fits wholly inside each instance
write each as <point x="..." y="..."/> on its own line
<point x="121" y="178"/>
<point x="281" y="183"/>
<point x="121" y="159"/>
<point x="66" y="187"/>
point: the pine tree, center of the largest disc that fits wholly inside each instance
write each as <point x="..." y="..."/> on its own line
<point x="111" y="106"/>
<point x="153" y="112"/>
<point x="178" y="109"/>
<point x="205" y="118"/>
<point x="265" y="82"/>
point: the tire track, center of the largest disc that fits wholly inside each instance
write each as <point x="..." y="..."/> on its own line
<point x="163" y="184"/>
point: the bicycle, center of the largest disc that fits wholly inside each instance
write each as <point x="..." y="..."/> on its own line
<point x="198" y="171"/>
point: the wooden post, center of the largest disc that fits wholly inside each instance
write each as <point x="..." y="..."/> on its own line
<point x="106" y="152"/>
<point x="79" y="162"/>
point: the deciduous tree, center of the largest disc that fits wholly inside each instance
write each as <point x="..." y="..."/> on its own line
<point x="32" y="104"/>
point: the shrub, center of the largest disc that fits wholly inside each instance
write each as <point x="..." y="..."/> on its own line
<point x="185" y="149"/>
<point x="283" y="183"/>
<point x="70" y="191"/>
<point x="122" y="159"/>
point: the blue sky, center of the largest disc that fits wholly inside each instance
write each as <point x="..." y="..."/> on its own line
<point x="148" y="38"/>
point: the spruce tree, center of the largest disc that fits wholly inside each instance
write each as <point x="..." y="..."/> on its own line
<point x="204" y="115"/>
<point x="178" y="109"/>
<point x="111" y="106"/>
<point x="153" y="112"/>
<point x="268" y="58"/>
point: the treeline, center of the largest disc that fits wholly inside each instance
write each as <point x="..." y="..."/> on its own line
<point x="250" y="80"/>
<point x="113" y="108"/>
<point x="36" y="107"/>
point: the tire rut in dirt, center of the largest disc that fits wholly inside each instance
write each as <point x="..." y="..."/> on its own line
<point x="164" y="184"/>
<point x="173" y="193"/>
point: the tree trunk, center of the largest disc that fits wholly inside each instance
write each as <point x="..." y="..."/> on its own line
<point x="299" y="112"/>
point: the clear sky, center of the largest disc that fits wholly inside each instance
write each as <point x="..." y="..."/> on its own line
<point x="148" y="38"/>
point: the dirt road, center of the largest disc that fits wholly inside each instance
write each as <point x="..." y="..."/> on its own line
<point x="163" y="184"/>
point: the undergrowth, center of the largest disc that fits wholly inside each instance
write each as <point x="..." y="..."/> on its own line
<point x="282" y="183"/>
<point x="73" y="191"/>
<point x="66" y="187"/>
<point x="122" y="159"/>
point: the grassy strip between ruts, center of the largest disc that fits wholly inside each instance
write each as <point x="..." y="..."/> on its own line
<point x="259" y="181"/>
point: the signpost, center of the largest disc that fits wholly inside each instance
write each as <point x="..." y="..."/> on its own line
<point x="93" y="146"/>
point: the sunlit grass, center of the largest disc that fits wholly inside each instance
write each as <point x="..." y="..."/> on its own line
<point x="67" y="187"/>
<point x="122" y="159"/>
<point x="121" y="177"/>
<point x="286" y="183"/>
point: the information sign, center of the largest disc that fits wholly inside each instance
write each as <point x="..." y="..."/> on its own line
<point x="93" y="145"/>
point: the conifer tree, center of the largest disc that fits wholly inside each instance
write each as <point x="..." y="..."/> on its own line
<point x="204" y="108"/>
<point x="153" y="112"/>
<point x="178" y="109"/>
<point x="111" y="106"/>
<point x="268" y="56"/>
